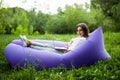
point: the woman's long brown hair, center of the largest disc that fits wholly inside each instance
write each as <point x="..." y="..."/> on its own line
<point x="84" y="28"/>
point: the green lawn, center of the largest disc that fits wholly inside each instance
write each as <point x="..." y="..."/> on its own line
<point x="109" y="69"/>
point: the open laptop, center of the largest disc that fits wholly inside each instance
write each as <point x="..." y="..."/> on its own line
<point x="61" y="48"/>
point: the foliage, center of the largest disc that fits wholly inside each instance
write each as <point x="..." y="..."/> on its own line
<point x="102" y="13"/>
<point x="1" y="29"/>
<point x="99" y="20"/>
<point x="5" y="20"/>
<point x="103" y="70"/>
<point x="56" y="24"/>
<point x="66" y="21"/>
<point x="30" y="30"/>
<point x="11" y="18"/>
<point x="40" y="22"/>
<point x="37" y="20"/>
<point x="20" y="25"/>
<point x="110" y="8"/>
<point x="19" y="30"/>
<point x="73" y="16"/>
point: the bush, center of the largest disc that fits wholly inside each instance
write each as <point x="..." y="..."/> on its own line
<point x="56" y="25"/>
<point x="30" y="30"/>
<point x="2" y="31"/>
<point x="36" y="33"/>
<point x="19" y="30"/>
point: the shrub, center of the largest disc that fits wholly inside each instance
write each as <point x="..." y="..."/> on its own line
<point x="19" y="30"/>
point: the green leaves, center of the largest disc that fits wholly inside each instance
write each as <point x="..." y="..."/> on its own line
<point x="111" y="10"/>
<point x="102" y="13"/>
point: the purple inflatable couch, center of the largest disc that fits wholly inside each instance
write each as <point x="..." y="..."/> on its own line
<point x="86" y="54"/>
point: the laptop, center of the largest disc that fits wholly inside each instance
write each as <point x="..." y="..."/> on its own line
<point x="61" y="48"/>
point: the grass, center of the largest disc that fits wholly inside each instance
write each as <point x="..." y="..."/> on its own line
<point x="109" y="69"/>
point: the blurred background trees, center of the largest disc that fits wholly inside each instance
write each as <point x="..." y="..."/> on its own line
<point x="110" y="9"/>
<point x="104" y="13"/>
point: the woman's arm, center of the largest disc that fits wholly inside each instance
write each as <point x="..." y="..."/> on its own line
<point x="69" y="44"/>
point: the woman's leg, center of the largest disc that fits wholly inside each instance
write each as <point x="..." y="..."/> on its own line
<point x="46" y="49"/>
<point x="23" y="41"/>
<point x="36" y="43"/>
<point x="40" y="44"/>
<point x="37" y="47"/>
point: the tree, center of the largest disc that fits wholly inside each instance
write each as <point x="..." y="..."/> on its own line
<point x="20" y="19"/>
<point x="32" y="20"/>
<point x="41" y="20"/>
<point x="6" y="20"/>
<point x="1" y="3"/>
<point x="74" y="15"/>
<point x="56" y="24"/>
<point x="110" y="8"/>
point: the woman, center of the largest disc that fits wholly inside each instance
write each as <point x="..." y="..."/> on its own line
<point x="82" y="32"/>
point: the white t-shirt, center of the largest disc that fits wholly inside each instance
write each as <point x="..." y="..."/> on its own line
<point x="75" y="42"/>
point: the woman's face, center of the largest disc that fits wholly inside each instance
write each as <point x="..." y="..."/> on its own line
<point x="80" y="31"/>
